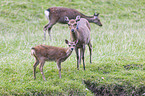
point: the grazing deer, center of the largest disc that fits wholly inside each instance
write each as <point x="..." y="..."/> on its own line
<point x="57" y="14"/>
<point x="44" y="53"/>
<point x="80" y="31"/>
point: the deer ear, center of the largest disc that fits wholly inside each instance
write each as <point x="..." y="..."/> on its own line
<point x="66" y="41"/>
<point x="96" y="14"/>
<point x="66" y="18"/>
<point x="78" y="18"/>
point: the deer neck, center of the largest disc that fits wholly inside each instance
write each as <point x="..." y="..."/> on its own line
<point x="89" y="18"/>
<point x="74" y="35"/>
<point x="68" y="52"/>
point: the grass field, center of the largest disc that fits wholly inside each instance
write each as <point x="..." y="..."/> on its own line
<point x="118" y="49"/>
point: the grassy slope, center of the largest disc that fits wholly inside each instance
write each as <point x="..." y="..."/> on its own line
<point x="120" y="42"/>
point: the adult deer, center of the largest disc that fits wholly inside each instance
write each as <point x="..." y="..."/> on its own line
<point x="44" y="53"/>
<point x="80" y="31"/>
<point x="57" y="14"/>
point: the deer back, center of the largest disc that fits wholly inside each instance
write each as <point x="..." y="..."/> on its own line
<point x="59" y="13"/>
<point x="48" y="53"/>
<point x="83" y="31"/>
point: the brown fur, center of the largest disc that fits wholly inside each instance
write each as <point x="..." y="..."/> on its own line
<point x="57" y="14"/>
<point x="44" y="53"/>
<point x="50" y="53"/>
<point x="80" y="30"/>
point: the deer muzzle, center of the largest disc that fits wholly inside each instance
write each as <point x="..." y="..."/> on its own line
<point x="72" y="49"/>
<point x="72" y="30"/>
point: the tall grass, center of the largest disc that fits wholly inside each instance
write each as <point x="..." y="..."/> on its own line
<point x="118" y="47"/>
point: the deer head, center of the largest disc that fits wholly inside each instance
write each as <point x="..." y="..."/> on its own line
<point x="96" y="20"/>
<point x="71" y="45"/>
<point x="72" y="23"/>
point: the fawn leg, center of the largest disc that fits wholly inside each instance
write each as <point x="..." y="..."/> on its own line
<point x="59" y="68"/>
<point x="34" y="68"/>
<point x="41" y="69"/>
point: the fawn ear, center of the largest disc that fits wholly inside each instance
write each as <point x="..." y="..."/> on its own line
<point x="78" y="18"/>
<point x="66" y="19"/>
<point x="66" y="41"/>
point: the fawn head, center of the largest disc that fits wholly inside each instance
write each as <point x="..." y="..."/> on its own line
<point x="72" y="23"/>
<point x="71" y="45"/>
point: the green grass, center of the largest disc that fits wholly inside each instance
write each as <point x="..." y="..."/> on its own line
<point x="118" y="47"/>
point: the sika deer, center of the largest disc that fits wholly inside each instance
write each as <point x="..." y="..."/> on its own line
<point x="44" y="53"/>
<point x="80" y="31"/>
<point x="57" y="14"/>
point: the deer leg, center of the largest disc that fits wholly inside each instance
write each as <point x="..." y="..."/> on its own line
<point x="59" y="68"/>
<point x="44" y="29"/>
<point x="49" y="29"/>
<point x="90" y="49"/>
<point x="41" y="69"/>
<point x="47" y="26"/>
<point x="82" y="55"/>
<point x="34" y="68"/>
<point x="78" y="61"/>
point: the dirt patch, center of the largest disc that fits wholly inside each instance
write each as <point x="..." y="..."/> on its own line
<point x="114" y="89"/>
